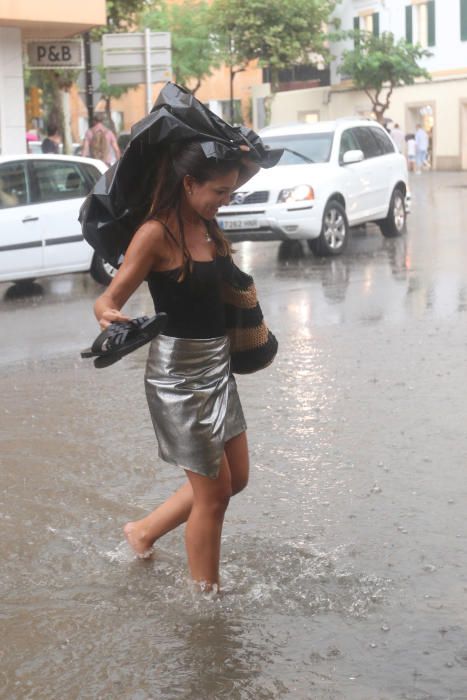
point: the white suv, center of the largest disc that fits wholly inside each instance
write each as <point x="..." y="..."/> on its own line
<point x="332" y="175"/>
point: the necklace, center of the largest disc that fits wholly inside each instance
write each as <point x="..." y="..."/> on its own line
<point x="207" y="235"/>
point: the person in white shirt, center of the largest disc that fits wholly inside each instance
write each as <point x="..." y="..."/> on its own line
<point x="410" y="139"/>
<point x="398" y="137"/>
<point x="421" y="147"/>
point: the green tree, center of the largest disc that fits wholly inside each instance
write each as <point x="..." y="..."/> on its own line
<point x="278" y="33"/>
<point x="378" y="64"/>
<point x="193" y="50"/>
<point x="122" y="15"/>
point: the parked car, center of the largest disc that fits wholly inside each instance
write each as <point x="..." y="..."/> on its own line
<point x="332" y="175"/>
<point x="40" y="198"/>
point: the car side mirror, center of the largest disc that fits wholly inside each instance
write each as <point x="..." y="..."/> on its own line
<point x="352" y="157"/>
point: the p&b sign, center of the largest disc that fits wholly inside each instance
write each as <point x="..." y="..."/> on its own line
<point x="55" y="54"/>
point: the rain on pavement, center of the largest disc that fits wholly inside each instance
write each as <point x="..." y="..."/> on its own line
<point x="343" y="562"/>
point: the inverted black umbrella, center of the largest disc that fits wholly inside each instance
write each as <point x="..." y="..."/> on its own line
<point x="121" y="198"/>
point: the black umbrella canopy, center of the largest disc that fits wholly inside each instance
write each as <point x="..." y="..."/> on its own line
<point x="120" y="200"/>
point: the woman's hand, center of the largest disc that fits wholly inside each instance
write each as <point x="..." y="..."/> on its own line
<point x="111" y="316"/>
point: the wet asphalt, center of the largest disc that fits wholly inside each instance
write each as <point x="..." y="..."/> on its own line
<point x="344" y="562"/>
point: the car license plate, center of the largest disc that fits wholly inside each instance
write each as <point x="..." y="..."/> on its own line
<point x="237" y="224"/>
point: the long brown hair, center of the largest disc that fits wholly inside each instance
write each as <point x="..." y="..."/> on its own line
<point x="187" y="158"/>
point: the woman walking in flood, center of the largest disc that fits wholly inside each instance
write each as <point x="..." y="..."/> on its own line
<point x="192" y="395"/>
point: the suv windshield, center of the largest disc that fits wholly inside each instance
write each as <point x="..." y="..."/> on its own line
<point x="313" y="147"/>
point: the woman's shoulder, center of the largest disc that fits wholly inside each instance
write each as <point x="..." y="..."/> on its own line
<point x="148" y="240"/>
<point x="151" y="230"/>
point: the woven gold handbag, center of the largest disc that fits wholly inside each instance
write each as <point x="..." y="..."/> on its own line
<point x="252" y="345"/>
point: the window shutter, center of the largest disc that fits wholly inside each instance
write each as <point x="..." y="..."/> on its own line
<point x="408" y="24"/>
<point x="463" y="20"/>
<point x="375" y="23"/>
<point x="356" y="26"/>
<point x="431" y="23"/>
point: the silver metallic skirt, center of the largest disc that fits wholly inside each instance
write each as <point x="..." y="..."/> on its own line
<point x="193" y="401"/>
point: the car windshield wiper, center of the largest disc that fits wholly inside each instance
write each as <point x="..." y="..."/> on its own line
<point x="300" y="155"/>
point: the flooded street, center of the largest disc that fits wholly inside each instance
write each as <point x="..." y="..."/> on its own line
<point x="344" y="562"/>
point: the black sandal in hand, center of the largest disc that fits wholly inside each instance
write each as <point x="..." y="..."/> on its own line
<point x="121" y="338"/>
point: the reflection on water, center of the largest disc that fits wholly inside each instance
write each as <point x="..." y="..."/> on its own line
<point x="26" y="289"/>
<point x="338" y="562"/>
<point x="379" y="279"/>
<point x="422" y="272"/>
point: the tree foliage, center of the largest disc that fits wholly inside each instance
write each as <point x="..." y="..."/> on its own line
<point x="193" y="49"/>
<point x="278" y="33"/>
<point x="122" y="16"/>
<point x="379" y="64"/>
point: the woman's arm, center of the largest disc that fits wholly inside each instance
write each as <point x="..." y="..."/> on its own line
<point x="140" y="258"/>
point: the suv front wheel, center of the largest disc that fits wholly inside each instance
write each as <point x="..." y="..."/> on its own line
<point x="394" y="224"/>
<point x="101" y="271"/>
<point x="334" y="232"/>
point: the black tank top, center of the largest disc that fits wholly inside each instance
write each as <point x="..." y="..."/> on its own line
<point x="194" y="305"/>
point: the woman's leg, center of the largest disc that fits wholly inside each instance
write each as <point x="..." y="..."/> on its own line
<point x="204" y="526"/>
<point x="141" y="534"/>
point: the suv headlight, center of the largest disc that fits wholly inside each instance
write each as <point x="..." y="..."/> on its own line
<point x="299" y="193"/>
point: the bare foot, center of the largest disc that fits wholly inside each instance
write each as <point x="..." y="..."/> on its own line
<point x="137" y="539"/>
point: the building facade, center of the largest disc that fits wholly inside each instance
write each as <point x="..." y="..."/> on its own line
<point x="27" y="20"/>
<point x="440" y="104"/>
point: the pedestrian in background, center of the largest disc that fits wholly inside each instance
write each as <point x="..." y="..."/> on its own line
<point x="32" y="134"/>
<point x="51" y="143"/>
<point x="411" y="149"/>
<point x="421" y="148"/>
<point x="398" y="137"/>
<point x="100" y="142"/>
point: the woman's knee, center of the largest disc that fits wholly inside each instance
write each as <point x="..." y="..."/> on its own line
<point x="213" y="497"/>
<point x="218" y="501"/>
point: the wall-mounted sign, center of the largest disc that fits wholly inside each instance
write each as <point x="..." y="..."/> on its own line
<point x="55" y="54"/>
<point x="127" y="57"/>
